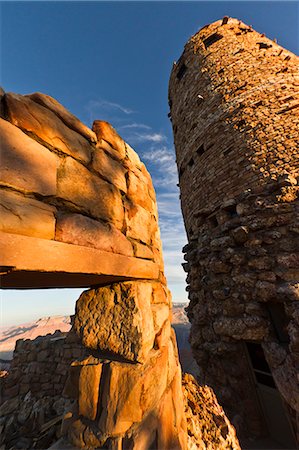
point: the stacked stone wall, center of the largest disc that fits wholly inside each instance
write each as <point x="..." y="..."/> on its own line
<point x="40" y="366"/>
<point x="234" y="109"/>
<point x="62" y="181"/>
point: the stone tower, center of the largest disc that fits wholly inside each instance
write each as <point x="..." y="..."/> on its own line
<point x="233" y="99"/>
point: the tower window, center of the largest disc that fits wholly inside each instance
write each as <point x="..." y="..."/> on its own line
<point x="200" y="150"/>
<point x="212" y="39"/>
<point x="181" y="71"/>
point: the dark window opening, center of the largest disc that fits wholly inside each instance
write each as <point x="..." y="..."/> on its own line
<point x="191" y="162"/>
<point x="259" y="364"/>
<point x="228" y="150"/>
<point x="232" y="210"/>
<point x="264" y="45"/>
<point x="181" y="171"/>
<point x="213" y="221"/>
<point x="181" y="72"/>
<point x="212" y="39"/>
<point x="279" y="321"/>
<point x="200" y="151"/>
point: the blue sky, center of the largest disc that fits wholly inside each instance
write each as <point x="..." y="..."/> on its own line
<point x="112" y="61"/>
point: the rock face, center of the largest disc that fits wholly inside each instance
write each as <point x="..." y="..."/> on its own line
<point x="233" y="99"/>
<point x="95" y="198"/>
<point x="66" y="188"/>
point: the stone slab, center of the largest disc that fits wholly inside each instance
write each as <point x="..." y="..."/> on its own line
<point x="46" y="126"/>
<point x="23" y="162"/>
<point x="104" y="130"/>
<point x="89" y="192"/>
<point x="66" y="116"/>
<point x="89" y="386"/>
<point x="139" y="222"/>
<point x="40" y="263"/>
<point x="77" y="229"/>
<point x="124" y="312"/>
<point x="110" y="169"/>
<point x="26" y="216"/>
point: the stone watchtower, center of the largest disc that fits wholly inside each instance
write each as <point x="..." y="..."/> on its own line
<point x="233" y="99"/>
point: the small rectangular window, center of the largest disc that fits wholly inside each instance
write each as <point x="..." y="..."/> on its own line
<point x="212" y="39"/>
<point x="181" y="71"/>
<point x="200" y="151"/>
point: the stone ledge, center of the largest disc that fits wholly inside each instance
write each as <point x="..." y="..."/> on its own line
<point x="37" y="263"/>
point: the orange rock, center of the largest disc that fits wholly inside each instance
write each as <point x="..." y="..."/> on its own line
<point x="23" y="162"/>
<point x="104" y="130"/>
<point x="138" y="190"/>
<point x="138" y="222"/>
<point x="118" y="155"/>
<point x="160" y="315"/>
<point x="110" y="169"/>
<point x="26" y="216"/>
<point x="66" y="116"/>
<point x="124" y="312"/>
<point x="90" y="193"/>
<point x="142" y="251"/>
<point x="77" y="229"/>
<point x="89" y="383"/>
<point x="131" y="392"/>
<point x="46" y="126"/>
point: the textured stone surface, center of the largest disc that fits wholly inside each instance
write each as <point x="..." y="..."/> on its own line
<point x="139" y="222"/>
<point x="46" y="126"/>
<point x="90" y="193"/>
<point x="26" y="216"/>
<point x="207" y="424"/>
<point x="104" y="130"/>
<point x="23" y="162"/>
<point x="89" y="384"/>
<point x="234" y="99"/>
<point x="77" y="229"/>
<point x="68" y="118"/>
<point x="124" y="312"/>
<point x="110" y="169"/>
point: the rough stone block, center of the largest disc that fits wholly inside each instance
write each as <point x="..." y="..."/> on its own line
<point x="142" y="251"/>
<point x="110" y="169"/>
<point x="23" y="162"/>
<point x="132" y="391"/>
<point x="104" y="130"/>
<point x="26" y="216"/>
<point x="118" y="155"/>
<point x="92" y="194"/>
<point x="66" y="116"/>
<point x="124" y="312"/>
<point x="89" y="384"/>
<point x="81" y="230"/>
<point x="138" y="222"/>
<point x="43" y="123"/>
<point x="138" y="190"/>
<point x="160" y="315"/>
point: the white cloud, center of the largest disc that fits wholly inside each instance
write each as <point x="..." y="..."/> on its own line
<point x="135" y="125"/>
<point x="103" y="106"/>
<point x="138" y="138"/>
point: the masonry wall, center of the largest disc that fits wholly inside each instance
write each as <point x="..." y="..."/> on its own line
<point x="233" y="98"/>
<point x="63" y="182"/>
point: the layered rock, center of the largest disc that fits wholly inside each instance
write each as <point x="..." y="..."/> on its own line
<point x="80" y="207"/>
<point x="234" y="108"/>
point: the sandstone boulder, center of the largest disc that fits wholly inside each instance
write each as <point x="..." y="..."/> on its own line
<point x="77" y="229"/>
<point x="23" y="162"/>
<point x="92" y="194"/>
<point x="66" y="116"/>
<point x="26" y="216"/>
<point x="42" y="123"/>
<point x="117" y="319"/>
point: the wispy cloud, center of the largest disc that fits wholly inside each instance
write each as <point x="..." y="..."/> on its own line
<point x="162" y="161"/>
<point x="104" y="107"/>
<point x="135" y="125"/>
<point x="139" y="138"/>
